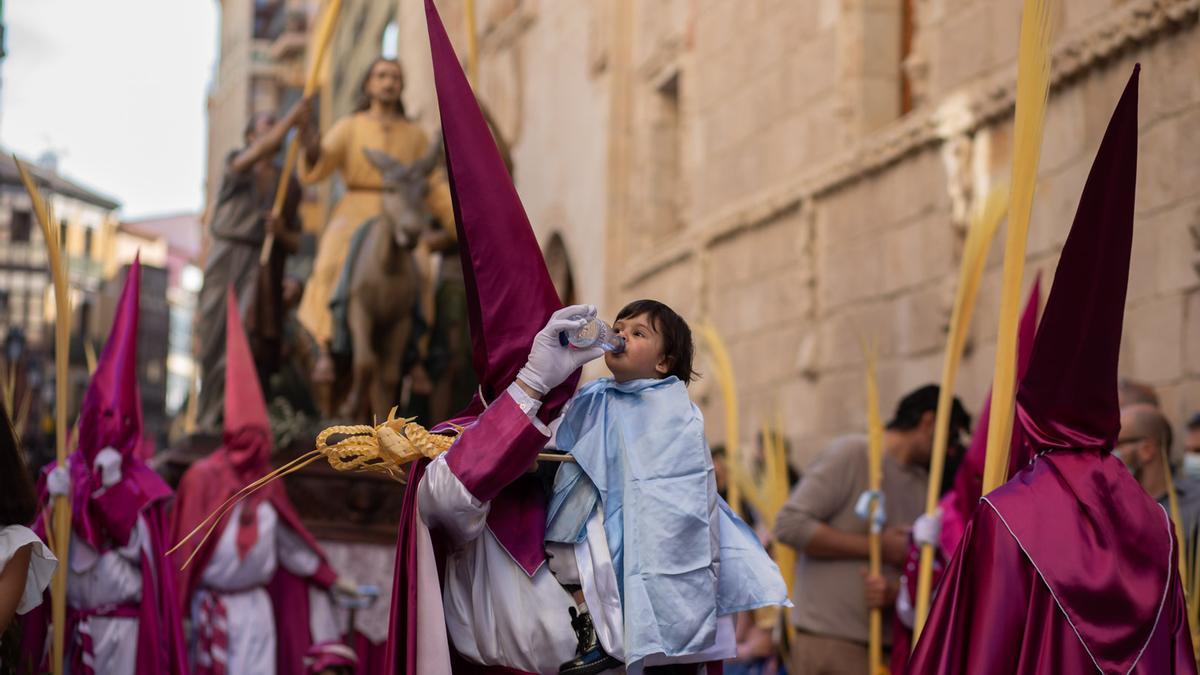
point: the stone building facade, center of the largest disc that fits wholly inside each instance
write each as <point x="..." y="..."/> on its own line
<point x="261" y="67"/>
<point x="801" y="173"/>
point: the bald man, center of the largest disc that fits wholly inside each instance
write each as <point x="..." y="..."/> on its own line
<point x="1144" y="444"/>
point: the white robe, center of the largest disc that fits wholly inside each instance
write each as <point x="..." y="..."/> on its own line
<point x="241" y="583"/>
<point x="42" y="564"/>
<point x="497" y="615"/>
<point x="111" y="578"/>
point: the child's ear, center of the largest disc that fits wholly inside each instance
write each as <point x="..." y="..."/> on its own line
<point x="663" y="366"/>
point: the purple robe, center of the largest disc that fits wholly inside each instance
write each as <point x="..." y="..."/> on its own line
<point x="996" y="612"/>
<point x="1070" y="567"/>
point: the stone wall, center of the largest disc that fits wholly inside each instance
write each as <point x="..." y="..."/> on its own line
<point x="810" y="210"/>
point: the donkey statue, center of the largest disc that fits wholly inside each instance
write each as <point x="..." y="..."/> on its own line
<point x="385" y="284"/>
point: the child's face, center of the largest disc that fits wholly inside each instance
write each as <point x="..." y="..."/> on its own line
<point x="643" y="356"/>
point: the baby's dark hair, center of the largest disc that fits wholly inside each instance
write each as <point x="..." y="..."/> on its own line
<point x="676" y="335"/>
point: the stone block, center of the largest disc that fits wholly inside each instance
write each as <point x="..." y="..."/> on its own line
<point x="1187" y="403"/>
<point x="1143" y="264"/>
<point x="1176" y="235"/>
<point x="1054" y="203"/>
<point x="920" y="319"/>
<point x="1005" y="24"/>
<point x="1077" y="13"/>
<point x="838" y="334"/>
<point x="1168" y="80"/>
<point x="914" y="372"/>
<point x="829" y="130"/>
<point x="849" y="272"/>
<point x="1152" y="340"/>
<point x="903" y="259"/>
<point x="841" y="407"/>
<point x="881" y="48"/>
<point x="765" y="98"/>
<point x="877" y="102"/>
<point x="975" y="377"/>
<point x="962" y="40"/>
<point x="798" y="401"/>
<point x="912" y="188"/>
<point x="841" y="217"/>
<point x="789" y="146"/>
<point x="809" y="74"/>
<point x="1063" y="140"/>
<point x="1191" y="335"/>
<point x="1169" y="172"/>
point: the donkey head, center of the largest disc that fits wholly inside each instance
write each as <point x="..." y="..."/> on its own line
<point x="404" y="190"/>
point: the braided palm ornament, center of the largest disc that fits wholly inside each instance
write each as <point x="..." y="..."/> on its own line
<point x="384" y="448"/>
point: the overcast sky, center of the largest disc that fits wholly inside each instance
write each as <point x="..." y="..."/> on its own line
<point x="117" y="88"/>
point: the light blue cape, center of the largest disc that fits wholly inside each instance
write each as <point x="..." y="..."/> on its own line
<point x="681" y="557"/>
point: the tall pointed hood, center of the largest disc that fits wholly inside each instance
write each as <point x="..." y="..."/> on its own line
<point x="1077" y="508"/>
<point x="1068" y="399"/>
<point x="111" y="414"/>
<point x="111" y="417"/>
<point x="247" y="426"/>
<point x="509" y="292"/>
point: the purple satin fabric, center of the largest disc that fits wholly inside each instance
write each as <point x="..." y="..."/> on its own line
<point x="293" y="638"/>
<point x="1110" y="564"/>
<point x="491" y="459"/>
<point x="1068" y="399"/>
<point x="1102" y="550"/>
<point x="518" y="521"/>
<point x="161" y="646"/>
<point x="111" y="416"/>
<point x="960" y="501"/>
<point x="994" y="615"/>
<point x="499" y="448"/>
<point x="401" y="652"/>
<point x="509" y="292"/>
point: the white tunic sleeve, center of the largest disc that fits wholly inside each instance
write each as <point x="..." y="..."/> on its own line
<point x="41" y="563"/>
<point x="295" y="554"/>
<point x="445" y="504"/>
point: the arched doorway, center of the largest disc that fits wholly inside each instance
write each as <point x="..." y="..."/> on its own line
<point x="558" y="261"/>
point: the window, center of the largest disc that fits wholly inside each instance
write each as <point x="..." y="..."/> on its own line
<point x="88" y="237"/>
<point x="667" y="158"/>
<point x="20" y="226"/>
<point x="390" y="42"/>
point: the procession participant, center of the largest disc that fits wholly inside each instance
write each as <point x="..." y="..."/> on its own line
<point x="1070" y="567"/>
<point x="378" y="123"/>
<point x="26" y="563"/>
<point x="944" y="529"/>
<point x="256" y="592"/>
<point x="241" y="220"/>
<point x="643" y="472"/>
<point x="472" y="591"/>
<point x="121" y="612"/>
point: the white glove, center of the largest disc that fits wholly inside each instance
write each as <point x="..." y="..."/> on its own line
<point x="904" y="606"/>
<point x="928" y="529"/>
<point x="108" y="463"/>
<point x="58" y="482"/>
<point x="550" y="363"/>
